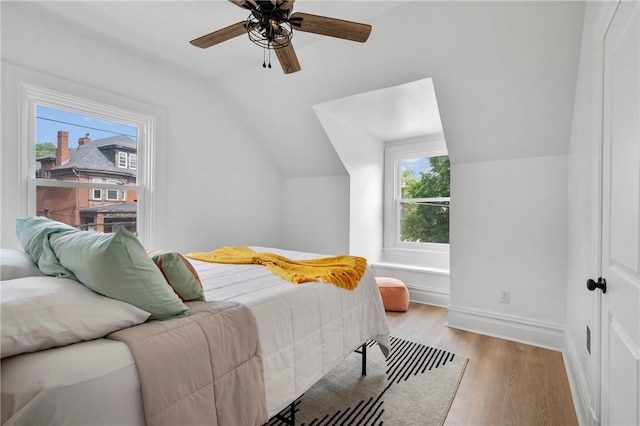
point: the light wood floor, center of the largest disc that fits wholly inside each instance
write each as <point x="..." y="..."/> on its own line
<point x="505" y="383"/>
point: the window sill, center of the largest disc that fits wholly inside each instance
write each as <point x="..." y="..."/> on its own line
<point x="435" y="260"/>
<point x="411" y="268"/>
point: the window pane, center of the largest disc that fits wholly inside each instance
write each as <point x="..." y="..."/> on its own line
<point x="74" y="207"/>
<point x="66" y="140"/>
<point x="112" y="194"/>
<point x="425" y="177"/>
<point x="96" y="194"/>
<point x="80" y="148"/>
<point x="122" y="159"/>
<point x="426" y="222"/>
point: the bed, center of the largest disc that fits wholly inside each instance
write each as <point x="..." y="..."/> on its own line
<point x="304" y="331"/>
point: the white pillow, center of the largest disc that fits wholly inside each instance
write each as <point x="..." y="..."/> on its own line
<point x="44" y="312"/>
<point x="17" y="264"/>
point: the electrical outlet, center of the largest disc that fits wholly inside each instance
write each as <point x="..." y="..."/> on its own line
<point x="505" y="296"/>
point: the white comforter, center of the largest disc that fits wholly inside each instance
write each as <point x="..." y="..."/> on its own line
<point x="305" y="330"/>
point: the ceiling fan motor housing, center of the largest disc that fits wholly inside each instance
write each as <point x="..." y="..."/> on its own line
<point x="268" y="26"/>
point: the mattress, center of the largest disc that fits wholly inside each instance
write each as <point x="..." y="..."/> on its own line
<point x="305" y="330"/>
<point x="88" y="383"/>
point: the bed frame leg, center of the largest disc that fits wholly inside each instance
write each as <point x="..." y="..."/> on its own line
<point x="364" y="359"/>
<point x="291" y="421"/>
<point x="363" y="352"/>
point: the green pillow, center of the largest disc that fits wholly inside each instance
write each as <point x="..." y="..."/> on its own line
<point x="33" y="233"/>
<point x="116" y="265"/>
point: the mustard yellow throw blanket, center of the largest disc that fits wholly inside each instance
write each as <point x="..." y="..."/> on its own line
<point x="343" y="271"/>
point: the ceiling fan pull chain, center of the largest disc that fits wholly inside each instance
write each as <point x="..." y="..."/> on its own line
<point x="264" y="58"/>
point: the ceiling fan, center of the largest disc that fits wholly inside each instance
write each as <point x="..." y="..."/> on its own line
<point x="271" y="24"/>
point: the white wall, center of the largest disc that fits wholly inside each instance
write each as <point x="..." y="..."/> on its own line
<point x="509" y="232"/>
<point x="316" y="215"/>
<point x="362" y="155"/>
<point x="218" y="180"/>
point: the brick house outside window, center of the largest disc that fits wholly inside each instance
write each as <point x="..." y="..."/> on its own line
<point x="92" y="161"/>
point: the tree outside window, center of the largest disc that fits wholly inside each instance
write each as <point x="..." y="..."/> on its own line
<point x="424" y="201"/>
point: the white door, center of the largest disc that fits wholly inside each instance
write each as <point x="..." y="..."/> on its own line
<point x="620" y="357"/>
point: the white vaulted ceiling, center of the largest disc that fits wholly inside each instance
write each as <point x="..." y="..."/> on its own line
<point x="504" y="72"/>
<point x="163" y="29"/>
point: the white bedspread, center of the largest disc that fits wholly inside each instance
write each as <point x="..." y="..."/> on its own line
<point x="305" y="330"/>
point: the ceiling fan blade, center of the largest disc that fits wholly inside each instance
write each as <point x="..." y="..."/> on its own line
<point x="285" y="4"/>
<point x="332" y="27"/>
<point x="288" y="59"/>
<point x="245" y="4"/>
<point x="221" y="35"/>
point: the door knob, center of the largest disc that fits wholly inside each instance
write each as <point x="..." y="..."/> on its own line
<point x="601" y="284"/>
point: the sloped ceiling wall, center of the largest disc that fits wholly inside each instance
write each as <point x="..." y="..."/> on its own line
<point x="504" y="75"/>
<point x="504" y="72"/>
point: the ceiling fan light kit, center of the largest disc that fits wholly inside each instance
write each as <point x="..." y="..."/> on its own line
<point x="271" y="26"/>
<point x="273" y="35"/>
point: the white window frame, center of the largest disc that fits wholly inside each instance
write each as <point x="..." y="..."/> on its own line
<point x="93" y="190"/>
<point x="121" y="155"/>
<point x="118" y="109"/>
<point x="133" y="161"/>
<point x="429" y="255"/>
<point x="114" y="190"/>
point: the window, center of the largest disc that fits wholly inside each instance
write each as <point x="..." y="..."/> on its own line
<point x="417" y="197"/>
<point x="96" y="194"/>
<point x="133" y="161"/>
<point x="64" y="182"/>
<point x="122" y="160"/>
<point x="112" y="194"/>
<point x="423" y="202"/>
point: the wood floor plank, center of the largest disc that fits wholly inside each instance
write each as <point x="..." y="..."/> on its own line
<point x="505" y="383"/>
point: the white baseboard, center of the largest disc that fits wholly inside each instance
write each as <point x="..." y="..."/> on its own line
<point x="428" y="295"/>
<point x="578" y="383"/>
<point x="524" y="330"/>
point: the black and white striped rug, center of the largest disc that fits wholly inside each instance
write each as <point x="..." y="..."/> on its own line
<point x="414" y="386"/>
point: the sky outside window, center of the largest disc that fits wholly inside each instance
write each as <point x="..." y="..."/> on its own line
<point x="50" y="120"/>
<point x="418" y="165"/>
